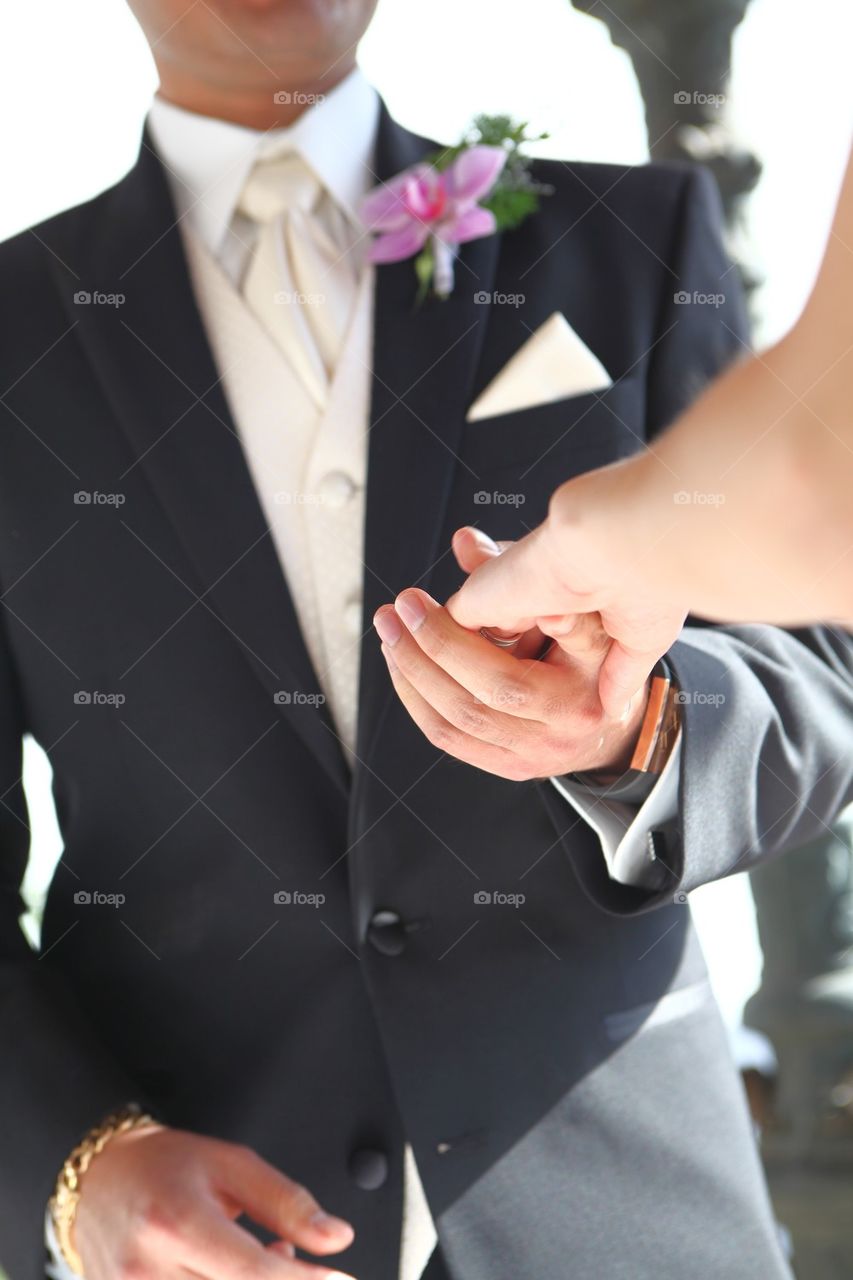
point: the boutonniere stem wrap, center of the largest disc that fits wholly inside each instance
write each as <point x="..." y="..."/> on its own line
<point x="462" y="193"/>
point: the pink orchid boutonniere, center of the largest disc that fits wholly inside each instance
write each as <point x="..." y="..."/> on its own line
<point x="475" y="189"/>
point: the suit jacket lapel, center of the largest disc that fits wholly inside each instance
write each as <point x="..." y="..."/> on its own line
<point x="424" y="363"/>
<point x="156" y="368"/>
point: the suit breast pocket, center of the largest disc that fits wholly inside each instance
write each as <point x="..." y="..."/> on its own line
<point x="510" y="465"/>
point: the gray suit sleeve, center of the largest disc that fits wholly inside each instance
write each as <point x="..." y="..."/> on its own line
<point x="768" y="744"/>
<point x="766" y="764"/>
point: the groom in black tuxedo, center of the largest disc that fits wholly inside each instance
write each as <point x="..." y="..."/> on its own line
<point x="328" y="958"/>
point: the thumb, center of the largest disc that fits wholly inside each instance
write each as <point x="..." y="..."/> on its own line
<point x="580" y="643"/>
<point x="637" y="646"/>
<point x="520" y="585"/>
<point x="623" y="673"/>
<point x="490" y="595"/>
<point x="473" y="548"/>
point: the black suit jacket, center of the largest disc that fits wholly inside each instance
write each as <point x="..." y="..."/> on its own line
<point x="558" y="1066"/>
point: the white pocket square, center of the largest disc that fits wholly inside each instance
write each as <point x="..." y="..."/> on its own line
<point x="553" y="363"/>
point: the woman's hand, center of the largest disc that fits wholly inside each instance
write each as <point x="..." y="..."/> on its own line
<point x="582" y="560"/>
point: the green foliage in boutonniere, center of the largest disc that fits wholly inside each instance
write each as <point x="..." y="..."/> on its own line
<point x="460" y="193"/>
<point x="516" y="193"/>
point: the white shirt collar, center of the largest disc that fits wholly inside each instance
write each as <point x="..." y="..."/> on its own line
<point x="208" y="160"/>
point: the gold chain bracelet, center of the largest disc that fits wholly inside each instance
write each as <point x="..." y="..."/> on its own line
<point x="66" y="1196"/>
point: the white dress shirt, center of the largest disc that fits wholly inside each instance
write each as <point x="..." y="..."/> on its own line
<point x="208" y="161"/>
<point x="622" y="828"/>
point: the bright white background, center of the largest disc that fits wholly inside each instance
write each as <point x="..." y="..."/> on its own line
<point x="76" y="77"/>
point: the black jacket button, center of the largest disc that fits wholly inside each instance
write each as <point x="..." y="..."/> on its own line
<point x="368" y="1169"/>
<point x="386" y="933"/>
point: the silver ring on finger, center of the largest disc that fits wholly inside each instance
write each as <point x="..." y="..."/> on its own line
<point x="502" y="642"/>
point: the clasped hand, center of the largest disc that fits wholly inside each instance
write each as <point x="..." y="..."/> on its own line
<point x="531" y="712"/>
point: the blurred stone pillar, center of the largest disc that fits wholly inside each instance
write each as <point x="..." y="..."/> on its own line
<point x="804" y="909"/>
<point x="681" y="52"/>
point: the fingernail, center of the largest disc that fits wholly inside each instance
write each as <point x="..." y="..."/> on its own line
<point x="389" y="657"/>
<point x="387" y="627"/>
<point x="561" y="625"/>
<point x="484" y="541"/>
<point x="283" y="1248"/>
<point x="410" y="610"/>
<point x="328" y="1225"/>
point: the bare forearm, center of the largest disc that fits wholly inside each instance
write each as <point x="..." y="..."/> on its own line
<point x="749" y="493"/>
<point x="744" y="504"/>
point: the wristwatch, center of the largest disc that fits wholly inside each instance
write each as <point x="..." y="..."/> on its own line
<point x="658" y="733"/>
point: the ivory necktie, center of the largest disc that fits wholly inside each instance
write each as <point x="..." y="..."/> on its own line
<point x="302" y="277"/>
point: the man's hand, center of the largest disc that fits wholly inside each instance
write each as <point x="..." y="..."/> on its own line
<point x="516" y="717"/>
<point x="159" y="1203"/>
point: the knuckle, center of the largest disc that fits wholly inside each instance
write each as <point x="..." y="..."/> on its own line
<point x="238" y="1160"/>
<point x="558" y="707"/>
<point x="589" y="639"/>
<point x="558" y="747"/>
<point x="442" y="735"/>
<point x="254" y="1270"/>
<point x="298" y="1200"/>
<point x="158" y="1223"/>
<point x="581" y="713"/>
<point x="433" y="640"/>
<point x="520" y="772"/>
<point x="131" y="1267"/>
<point x="509" y="693"/>
<point x="249" y="1164"/>
<point x="588" y="719"/>
<point x="470" y="716"/>
<point x="245" y="1154"/>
